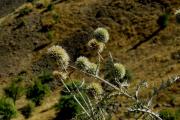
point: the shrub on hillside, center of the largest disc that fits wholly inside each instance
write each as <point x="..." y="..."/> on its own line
<point x="163" y="20"/>
<point x="52" y="79"/>
<point x="75" y="98"/>
<point x="49" y="7"/>
<point x="30" y="0"/>
<point x="15" y="90"/>
<point x="37" y="92"/>
<point x="28" y="109"/>
<point x="7" y="109"/>
<point x="46" y="77"/>
<point x="68" y="107"/>
<point x="167" y="115"/>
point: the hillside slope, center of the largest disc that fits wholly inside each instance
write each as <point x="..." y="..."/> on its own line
<point x="7" y="6"/>
<point x="128" y="22"/>
<point x="24" y="39"/>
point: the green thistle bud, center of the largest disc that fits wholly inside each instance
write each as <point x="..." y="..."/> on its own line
<point x="95" y="89"/>
<point x="93" y="69"/>
<point x="96" y="45"/>
<point x="101" y="35"/>
<point x="119" y="71"/>
<point x="115" y="72"/>
<point x="82" y="63"/>
<point x="59" y="54"/>
<point x="177" y="13"/>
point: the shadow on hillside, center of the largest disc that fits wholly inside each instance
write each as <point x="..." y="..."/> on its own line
<point x="146" y="39"/>
<point x="75" y="44"/>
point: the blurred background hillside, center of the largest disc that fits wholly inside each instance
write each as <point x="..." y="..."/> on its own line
<point x="137" y="38"/>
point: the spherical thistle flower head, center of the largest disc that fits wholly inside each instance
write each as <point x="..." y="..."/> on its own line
<point x="82" y="63"/>
<point x="101" y="35"/>
<point x="95" y="88"/>
<point x="177" y="13"/>
<point x="119" y="71"/>
<point x="96" y="45"/>
<point x="59" y="54"/>
<point x="59" y="75"/>
<point x="92" y="69"/>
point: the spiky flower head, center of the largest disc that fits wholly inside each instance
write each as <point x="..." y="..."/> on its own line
<point x="95" y="88"/>
<point x="115" y="72"/>
<point x="177" y="13"/>
<point x="101" y="35"/>
<point x="59" y="75"/>
<point x="96" y="45"/>
<point x="119" y="70"/>
<point x="82" y="63"/>
<point x="92" y="69"/>
<point x="59" y="54"/>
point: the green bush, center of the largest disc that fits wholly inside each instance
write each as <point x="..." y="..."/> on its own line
<point x="50" y="7"/>
<point x="56" y="17"/>
<point x="177" y="114"/>
<point x="163" y="20"/>
<point x="7" y="109"/>
<point x="15" y="90"/>
<point x="30" y="0"/>
<point x="28" y="109"/>
<point x="46" y="77"/>
<point x="68" y="107"/>
<point x="37" y="92"/>
<point x="67" y="102"/>
<point x="50" y="34"/>
<point x="167" y="115"/>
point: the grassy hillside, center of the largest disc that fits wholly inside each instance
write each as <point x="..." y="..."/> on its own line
<point x="136" y="40"/>
<point x="8" y="6"/>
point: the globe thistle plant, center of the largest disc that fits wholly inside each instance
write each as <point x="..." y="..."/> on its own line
<point x="59" y="54"/>
<point x="95" y="89"/>
<point x="93" y="69"/>
<point x="115" y="72"/>
<point x="82" y="63"/>
<point x="119" y="70"/>
<point x="96" y="45"/>
<point x="101" y="35"/>
<point x="177" y="13"/>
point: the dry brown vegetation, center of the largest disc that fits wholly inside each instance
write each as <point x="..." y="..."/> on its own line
<point x="24" y="39"/>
